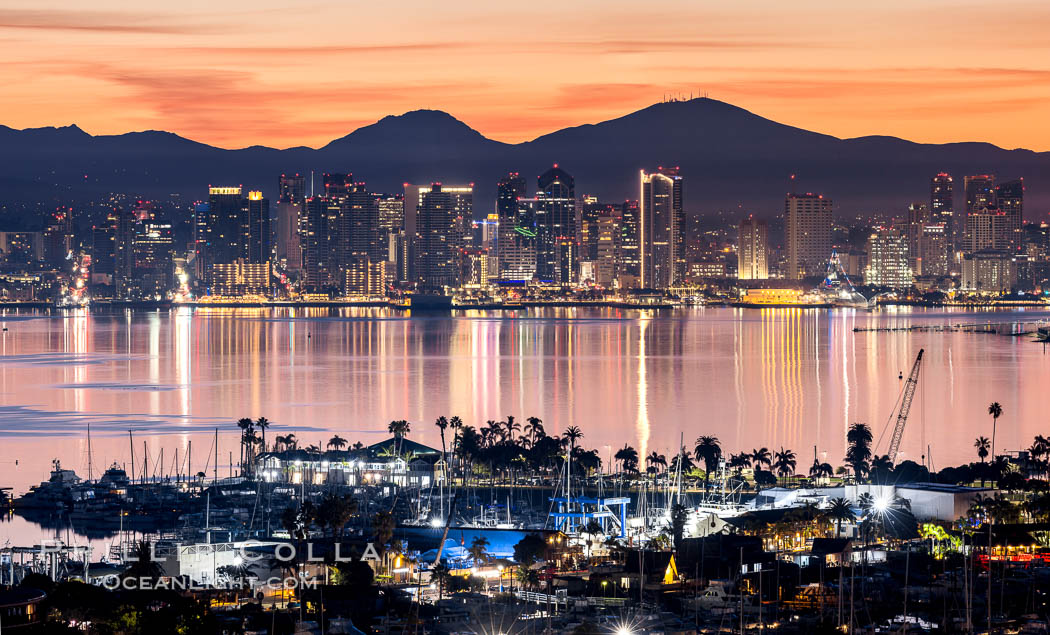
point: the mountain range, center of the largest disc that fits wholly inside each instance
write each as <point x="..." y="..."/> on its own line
<point x="731" y="158"/>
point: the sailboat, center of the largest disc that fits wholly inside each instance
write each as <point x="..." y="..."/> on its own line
<point x="838" y="290"/>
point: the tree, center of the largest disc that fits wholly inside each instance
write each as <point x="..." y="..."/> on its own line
<point x="710" y="452"/>
<point x="982" y="446"/>
<point x="262" y="423"/>
<point x="527" y="577"/>
<point x="478" y="550"/>
<point x="761" y="457"/>
<point x="840" y="510"/>
<point x="247" y="427"/>
<point x="858" y="452"/>
<point x="383" y="525"/>
<point x="337" y="442"/>
<point x="820" y="470"/>
<point x="400" y="430"/>
<point x="784" y="462"/>
<point x="530" y="549"/>
<point x="534" y="428"/>
<point x="335" y="511"/>
<point x="654" y="460"/>
<point x="144" y="566"/>
<point x="628" y="458"/>
<point x="881" y="468"/>
<point x="996" y="411"/>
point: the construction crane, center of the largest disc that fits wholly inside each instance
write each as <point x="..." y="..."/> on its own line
<point x="902" y="415"/>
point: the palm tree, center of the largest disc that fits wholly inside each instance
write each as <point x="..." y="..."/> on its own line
<point x="708" y="449"/>
<point x="761" y="457"/>
<point x="628" y="458"/>
<point x="246" y="425"/>
<point x="982" y="446"/>
<point x="785" y="463"/>
<point x="840" y="510"/>
<point x="400" y="430"/>
<point x="442" y="425"/>
<point x="820" y="470"/>
<point x="996" y="411"/>
<point x="337" y="442"/>
<point x="858" y="438"/>
<point x="739" y="461"/>
<point x="262" y="423"/>
<point x="534" y="428"/>
<point x="291" y="442"/>
<point x="881" y="466"/>
<point x="511" y="426"/>
<point x="654" y="460"/>
<point x="478" y="550"/>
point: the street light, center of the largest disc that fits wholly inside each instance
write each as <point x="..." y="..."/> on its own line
<point x="500" y="568"/>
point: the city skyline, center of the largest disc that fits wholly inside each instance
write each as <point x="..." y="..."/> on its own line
<point x="269" y="72"/>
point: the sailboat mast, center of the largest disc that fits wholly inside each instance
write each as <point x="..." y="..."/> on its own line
<point x="131" y="442"/>
<point x="91" y="473"/>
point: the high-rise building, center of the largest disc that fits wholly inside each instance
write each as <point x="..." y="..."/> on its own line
<point x="989" y="271"/>
<point x="324" y="245"/>
<point x="219" y="230"/>
<point x="807" y="234"/>
<point x="630" y="269"/>
<point x="987" y="229"/>
<point x="461" y="199"/>
<point x="1009" y="197"/>
<point x="58" y="237"/>
<point x="391" y="213"/>
<point x="440" y="235"/>
<point x="661" y="223"/>
<point x="607" y="253"/>
<point x="153" y="256"/>
<point x="753" y="249"/>
<point x="888" y="259"/>
<point x="516" y="230"/>
<point x="942" y="203"/>
<point x="557" y="245"/>
<point x="124" y="250"/>
<point x="980" y="192"/>
<point x="363" y="231"/>
<point x="257" y="239"/>
<point x="931" y="257"/>
<point x="290" y="220"/>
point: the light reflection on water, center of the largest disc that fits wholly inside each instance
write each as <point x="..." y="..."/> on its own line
<point x="753" y="378"/>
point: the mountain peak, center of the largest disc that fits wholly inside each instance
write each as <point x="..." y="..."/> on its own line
<point x="427" y="127"/>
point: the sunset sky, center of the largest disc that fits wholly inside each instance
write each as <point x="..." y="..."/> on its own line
<point x="235" y="73"/>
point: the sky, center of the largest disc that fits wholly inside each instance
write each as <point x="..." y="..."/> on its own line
<point x="235" y="73"/>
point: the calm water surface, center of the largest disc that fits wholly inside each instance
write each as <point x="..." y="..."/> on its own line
<point x="775" y="377"/>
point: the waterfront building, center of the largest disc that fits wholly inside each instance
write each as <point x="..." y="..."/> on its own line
<point x="987" y="229"/>
<point x="474" y="266"/>
<point x="396" y="461"/>
<point x="324" y="245"/>
<point x="753" y="249"/>
<point x="989" y="271"/>
<point x="888" y="259"/>
<point x="661" y="224"/>
<point x="557" y="245"/>
<point x="240" y="277"/>
<point x="153" y="257"/>
<point x="807" y="235"/>
<point x="365" y="278"/>
<point x="606" y="268"/>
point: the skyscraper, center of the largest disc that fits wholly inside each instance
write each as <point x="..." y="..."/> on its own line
<point x="980" y="192"/>
<point x="439" y="238"/>
<point x="219" y="230"/>
<point x="290" y="221"/>
<point x="557" y="245"/>
<point x="256" y="229"/>
<point x="462" y="197"/>
<point x="661" y="223"/>
<point x="807" y="234"/>
<point x="630" y="269"/>
<point x="516" y="230"/>
<point x="1009" y="197"/>
<point x="942" y="203"/>
<point x="753" y="249"/>
<point x="324" y="245"/>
